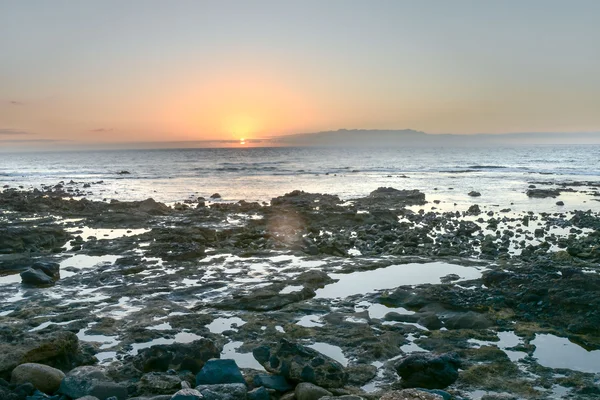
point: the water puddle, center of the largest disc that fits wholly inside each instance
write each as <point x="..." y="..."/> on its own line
<point x="220" y="325"/>
<point x="507" y="341"/>
<point x="556" y="352"/>
<point x="181" y="337"/>
<point x="392" y="277"/>
<point x="291" y="289"/>
<point x="331" y="351"/>
<point x="48" y="323"/>
<point x="379" y="311"/>
<point x="243" y="360"/>
<point x="10" y="279"/>
<point x="310" y="321"/>
<point x="81" y="262"/>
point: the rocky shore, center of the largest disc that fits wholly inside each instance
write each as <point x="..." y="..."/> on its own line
<point x="311" y="296"/>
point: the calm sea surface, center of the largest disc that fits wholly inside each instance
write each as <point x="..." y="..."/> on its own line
<point x="502" y="175"/>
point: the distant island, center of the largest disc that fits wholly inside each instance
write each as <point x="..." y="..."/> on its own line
<point x="413" y="138"/>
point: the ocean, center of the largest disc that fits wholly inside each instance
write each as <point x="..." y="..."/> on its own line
<point x="501" y="174"/>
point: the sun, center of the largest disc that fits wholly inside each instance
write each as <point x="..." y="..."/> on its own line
<point x="242" y="141"/>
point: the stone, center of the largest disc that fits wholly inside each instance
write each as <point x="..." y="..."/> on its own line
<point x="474" y="194"/>
<point x="178" y="356"/>
<point x="428" y="371"/>
<point x="468" y="320"/>
<point x="217" y="371"/>
<point x="89" y="380"/>
<point x="260" y="393"/>
<point x="226" y="391"/>
<point x="344" y="397"/>
<point x="301" y="364"/>
<point x="275" y="382"/>
<point x="36" y="277"/>
<point x="187" y="394"/>
<point x="50" y="268"/>
<point x="309" y="391"/>
<point x="88" y="398"/>
<point x="215" y="196"/>
<point x="43" y="377"/>
<point x="410" y="394"/>
<point x="159" y="383"/>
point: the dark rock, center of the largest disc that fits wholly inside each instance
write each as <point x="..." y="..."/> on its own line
<point x="123" y="172"/>
<point x="43" y="377"/>
<point x="158" y="383"/>
<point x="468" y="320"/>
<point x="178" y="356"/>
<point x="309" y="391"/>
<point x="474" y="194"/>
<point x="275" y="382"/>
<point x="215" y="196"/>
<point x="543" y="193"/>
<point x="260" y="393"/>
<point x="50" y="268"/>
<point x="36" y="277"/>
<point x="187" y="394"/>
<point x="301" y="364"/>
<point x="560" y="203"/>
<point x="410" y="394"/>
<point x="474" y="210"/>
<point x="217" y="371"/>
<point x="429" y="371"/>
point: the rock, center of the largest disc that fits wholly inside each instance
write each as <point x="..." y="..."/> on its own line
<point x="159" y="397"/>
<point x="58" y="349"/>
<point x="474" y="194"/>
<point x="178" y="356"/>
<point x="302" y="364"/>
<point x="123" y="172"/>
<point x="187" y="394"/>
<point x="410" y="394"/>
<point x="344" y="397"/>
<point x="153" y="207"/>
<point x="474" y="210"/>
<point x="88" y="380"/>
<point x="560" y="203"/>
<point x="275" y="382"/>
<point x="468" y="320"/>
<point x="309" y="391"/>
<point x="50" y="268"/>
<point x="43" y="377"/>
<point x="215" y="196"/>
<point x="88" y="398"/>
<point x="429" y="371"/>
<point x="36" y="277"/>
<point x="226" y="391"/>
<point x="217" y="371"/>
<point x="543" y="193"/>
<point x="260" y="393"/>
<point x="158" y="383"/>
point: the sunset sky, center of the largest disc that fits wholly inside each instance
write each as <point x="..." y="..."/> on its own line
<point x="222" y="70"/>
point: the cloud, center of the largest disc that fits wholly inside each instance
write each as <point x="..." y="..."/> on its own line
<point x="100" y="130"/>
<point x="13" y="132"/>
<point x="16" y="103"/>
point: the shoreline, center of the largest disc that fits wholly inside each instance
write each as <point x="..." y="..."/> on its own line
<point x="224" y="271"/>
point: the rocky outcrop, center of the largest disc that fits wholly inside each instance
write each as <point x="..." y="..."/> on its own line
<point x="428" y="371"/>
<point x="178" y="356"/>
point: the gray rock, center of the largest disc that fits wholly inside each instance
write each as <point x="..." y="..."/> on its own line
<point x="217" y="371"/>
<point x="187" y="394"/>
<point x="309" y="391"/>
<point x="179" y="356"/>
<point x="88" y="398"/>
<point x="83" y="381"/>
<point x="226" y="391"/>
<point x="468" y="320"/>
<point x="302" y="364"/>
<point x="410" y="394"/>
<point x="43" y="377"/>
<point x="159" y="383"/>
<point x="160" y="397"/>
<point x="345" y="397"/>
<point x="474" y="194"/>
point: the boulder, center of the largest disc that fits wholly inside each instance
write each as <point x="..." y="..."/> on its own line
<point x="177" y="356"/>
<point x="217" y="371"/>
<point x="301" y="364"/>
<point x="275" y="382"/>
<point x="159" y="383"/>
<point x="225" y="391"/>
<point x="83" y="381"/>
<point x="50" y="268"/>
<point x="428" y="371"/>
<point x="187" y="394"/>
<point x="309" y="391"/>
<point x="43" y="377"/>
<point x="36" y="277"/>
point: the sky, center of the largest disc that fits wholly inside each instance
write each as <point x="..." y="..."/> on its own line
<point x="145" y="70"/>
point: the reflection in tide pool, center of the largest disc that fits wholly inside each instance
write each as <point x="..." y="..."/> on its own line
<point x="556" y="352"/>
<point x="392" y="277"/>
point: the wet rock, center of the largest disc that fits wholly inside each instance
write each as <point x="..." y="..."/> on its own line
<point x="225" y="391"/>
<point x="158" y="383"/>
<point x="560" y="203"/>
<point x="260" y="393"/>
<point x="178" y="356"/>
<point x="429" y="371"/>
<point x="301" y="364"/>
<point x="389" y="196"/>
<point x="410" y="394"/>
<point x="265" y="299"/>
<point x="468" y="320"/>
<point x="39" y="239"/>
<point x="344" y="397"/>
<point x="187" y="394"/>
<point x="43" y="377"/>
<point x="474" y="210"/>
<point x="215" y="196"/>
<point x="360" y="374"/>
<point x="123" y="172"/>
<point x="474" y="194"/>
<point x="83" y="381"/>
<point x="217" y="371"/>
<point x="88" y="398"/>
<point x="542" y="193"/>
<point x="309" y="391"/>
<point x="36" y="277"/>
<point x="275" y="382"/>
